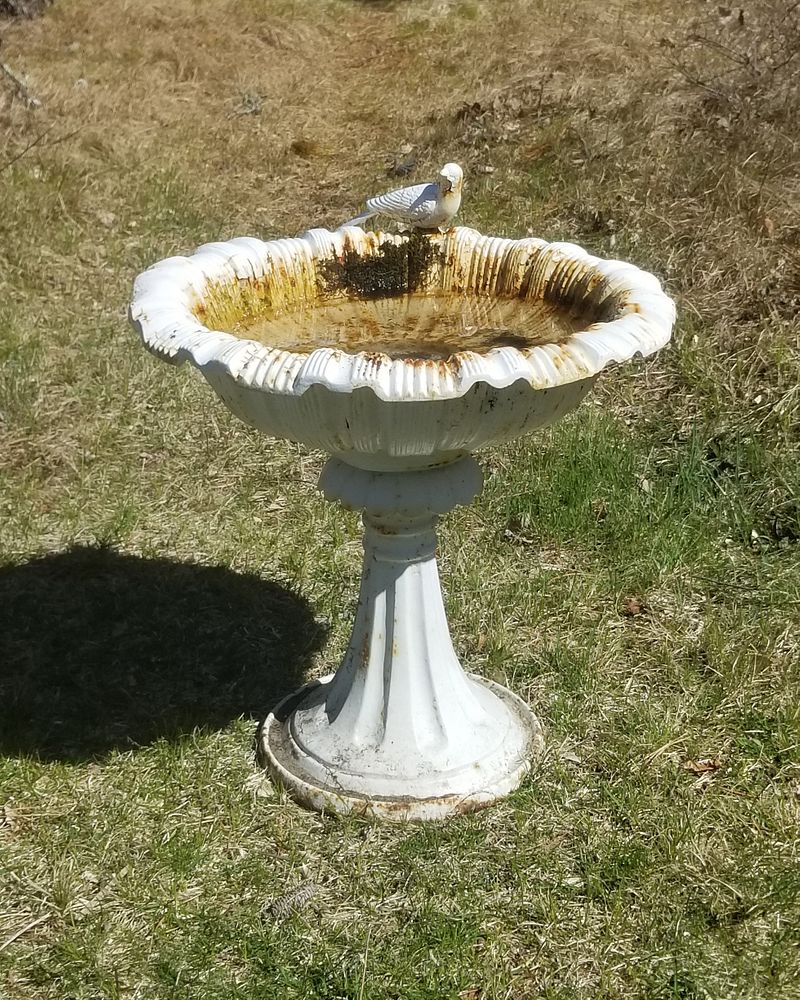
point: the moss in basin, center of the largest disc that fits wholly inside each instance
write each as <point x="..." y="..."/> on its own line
<point x="393" y="269"/>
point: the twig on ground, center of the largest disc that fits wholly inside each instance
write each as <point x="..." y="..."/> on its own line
<point x="24" y="930"/>
<point x="36" y="141"/>
<point x="20" y="87"/>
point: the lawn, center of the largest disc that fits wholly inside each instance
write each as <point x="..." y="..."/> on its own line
<point x="166" y="574"/>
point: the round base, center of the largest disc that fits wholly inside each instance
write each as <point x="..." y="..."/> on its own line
<point x="326" y="789"/>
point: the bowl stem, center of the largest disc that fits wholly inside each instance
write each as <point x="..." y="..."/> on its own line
<point x="401" y="730"/>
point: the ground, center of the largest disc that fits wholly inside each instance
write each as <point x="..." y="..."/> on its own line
<point x="633" y="573"/>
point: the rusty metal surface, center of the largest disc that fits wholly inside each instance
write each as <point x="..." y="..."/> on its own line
<point x="178" y="303"/>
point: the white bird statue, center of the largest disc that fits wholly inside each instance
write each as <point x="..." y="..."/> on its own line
<point x="423" y="206"/>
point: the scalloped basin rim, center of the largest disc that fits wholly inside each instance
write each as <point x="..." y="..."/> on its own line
<point x="637" y="315"/>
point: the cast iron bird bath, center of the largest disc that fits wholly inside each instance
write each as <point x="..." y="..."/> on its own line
<point x="400" y="356"/>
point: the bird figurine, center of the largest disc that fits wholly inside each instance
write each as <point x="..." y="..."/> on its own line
<point x="422" y="206"/>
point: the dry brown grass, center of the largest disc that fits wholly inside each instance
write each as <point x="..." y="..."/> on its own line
<point x="285" y="120"/>
<point x="181" y="81"/>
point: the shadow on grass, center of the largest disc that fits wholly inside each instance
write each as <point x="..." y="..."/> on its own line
<point x="100" y="650"/>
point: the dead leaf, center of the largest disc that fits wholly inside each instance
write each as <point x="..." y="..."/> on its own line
<point x="293" y="901"/>
<point x="259" y="786"/>
<point x="703" y="766"/>
<point x="633" y="606"/>
<point x="402" y="166"/>
<point x="515" y="532"/>
<point x="536" y="151"/>
<point x="305" y="148"/>
<point x="516" y="539"/>
<point x="8" y="817"/>
<point x="465" y="111"/>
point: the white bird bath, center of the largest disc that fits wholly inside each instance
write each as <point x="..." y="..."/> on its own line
<point x="399" y="356"/>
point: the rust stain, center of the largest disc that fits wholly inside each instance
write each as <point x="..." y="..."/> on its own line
<point x="376" y="359"/>
<point x="423" y="265"/>
<point x="454" y="805"/>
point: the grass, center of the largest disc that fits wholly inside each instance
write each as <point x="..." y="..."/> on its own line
<point x="634" y="573"/>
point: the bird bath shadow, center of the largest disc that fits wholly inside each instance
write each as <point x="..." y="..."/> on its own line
<point x="102" y="651"/>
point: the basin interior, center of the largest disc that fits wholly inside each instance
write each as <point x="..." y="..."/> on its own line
<point x="411" y="299"/>
<point x="432" y="326"/>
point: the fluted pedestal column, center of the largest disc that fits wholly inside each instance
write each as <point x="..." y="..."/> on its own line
<point x="400" y="731"/>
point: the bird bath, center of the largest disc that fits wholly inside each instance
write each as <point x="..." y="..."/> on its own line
<point x="400" y="356"/>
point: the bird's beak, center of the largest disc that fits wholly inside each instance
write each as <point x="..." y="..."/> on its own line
<point x="447" y="185"/>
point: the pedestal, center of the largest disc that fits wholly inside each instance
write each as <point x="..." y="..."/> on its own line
<point x="400" y="731"/>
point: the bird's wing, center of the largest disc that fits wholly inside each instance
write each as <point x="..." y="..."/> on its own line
<point x="413" y="202"/>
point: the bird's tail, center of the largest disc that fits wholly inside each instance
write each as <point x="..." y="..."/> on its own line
<point x="358" y="219"/>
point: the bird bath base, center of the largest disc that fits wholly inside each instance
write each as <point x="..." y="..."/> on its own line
<point x="400" y="731"/>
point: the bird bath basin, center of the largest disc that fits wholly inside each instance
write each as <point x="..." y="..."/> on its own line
<point x="399" y="356"/>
